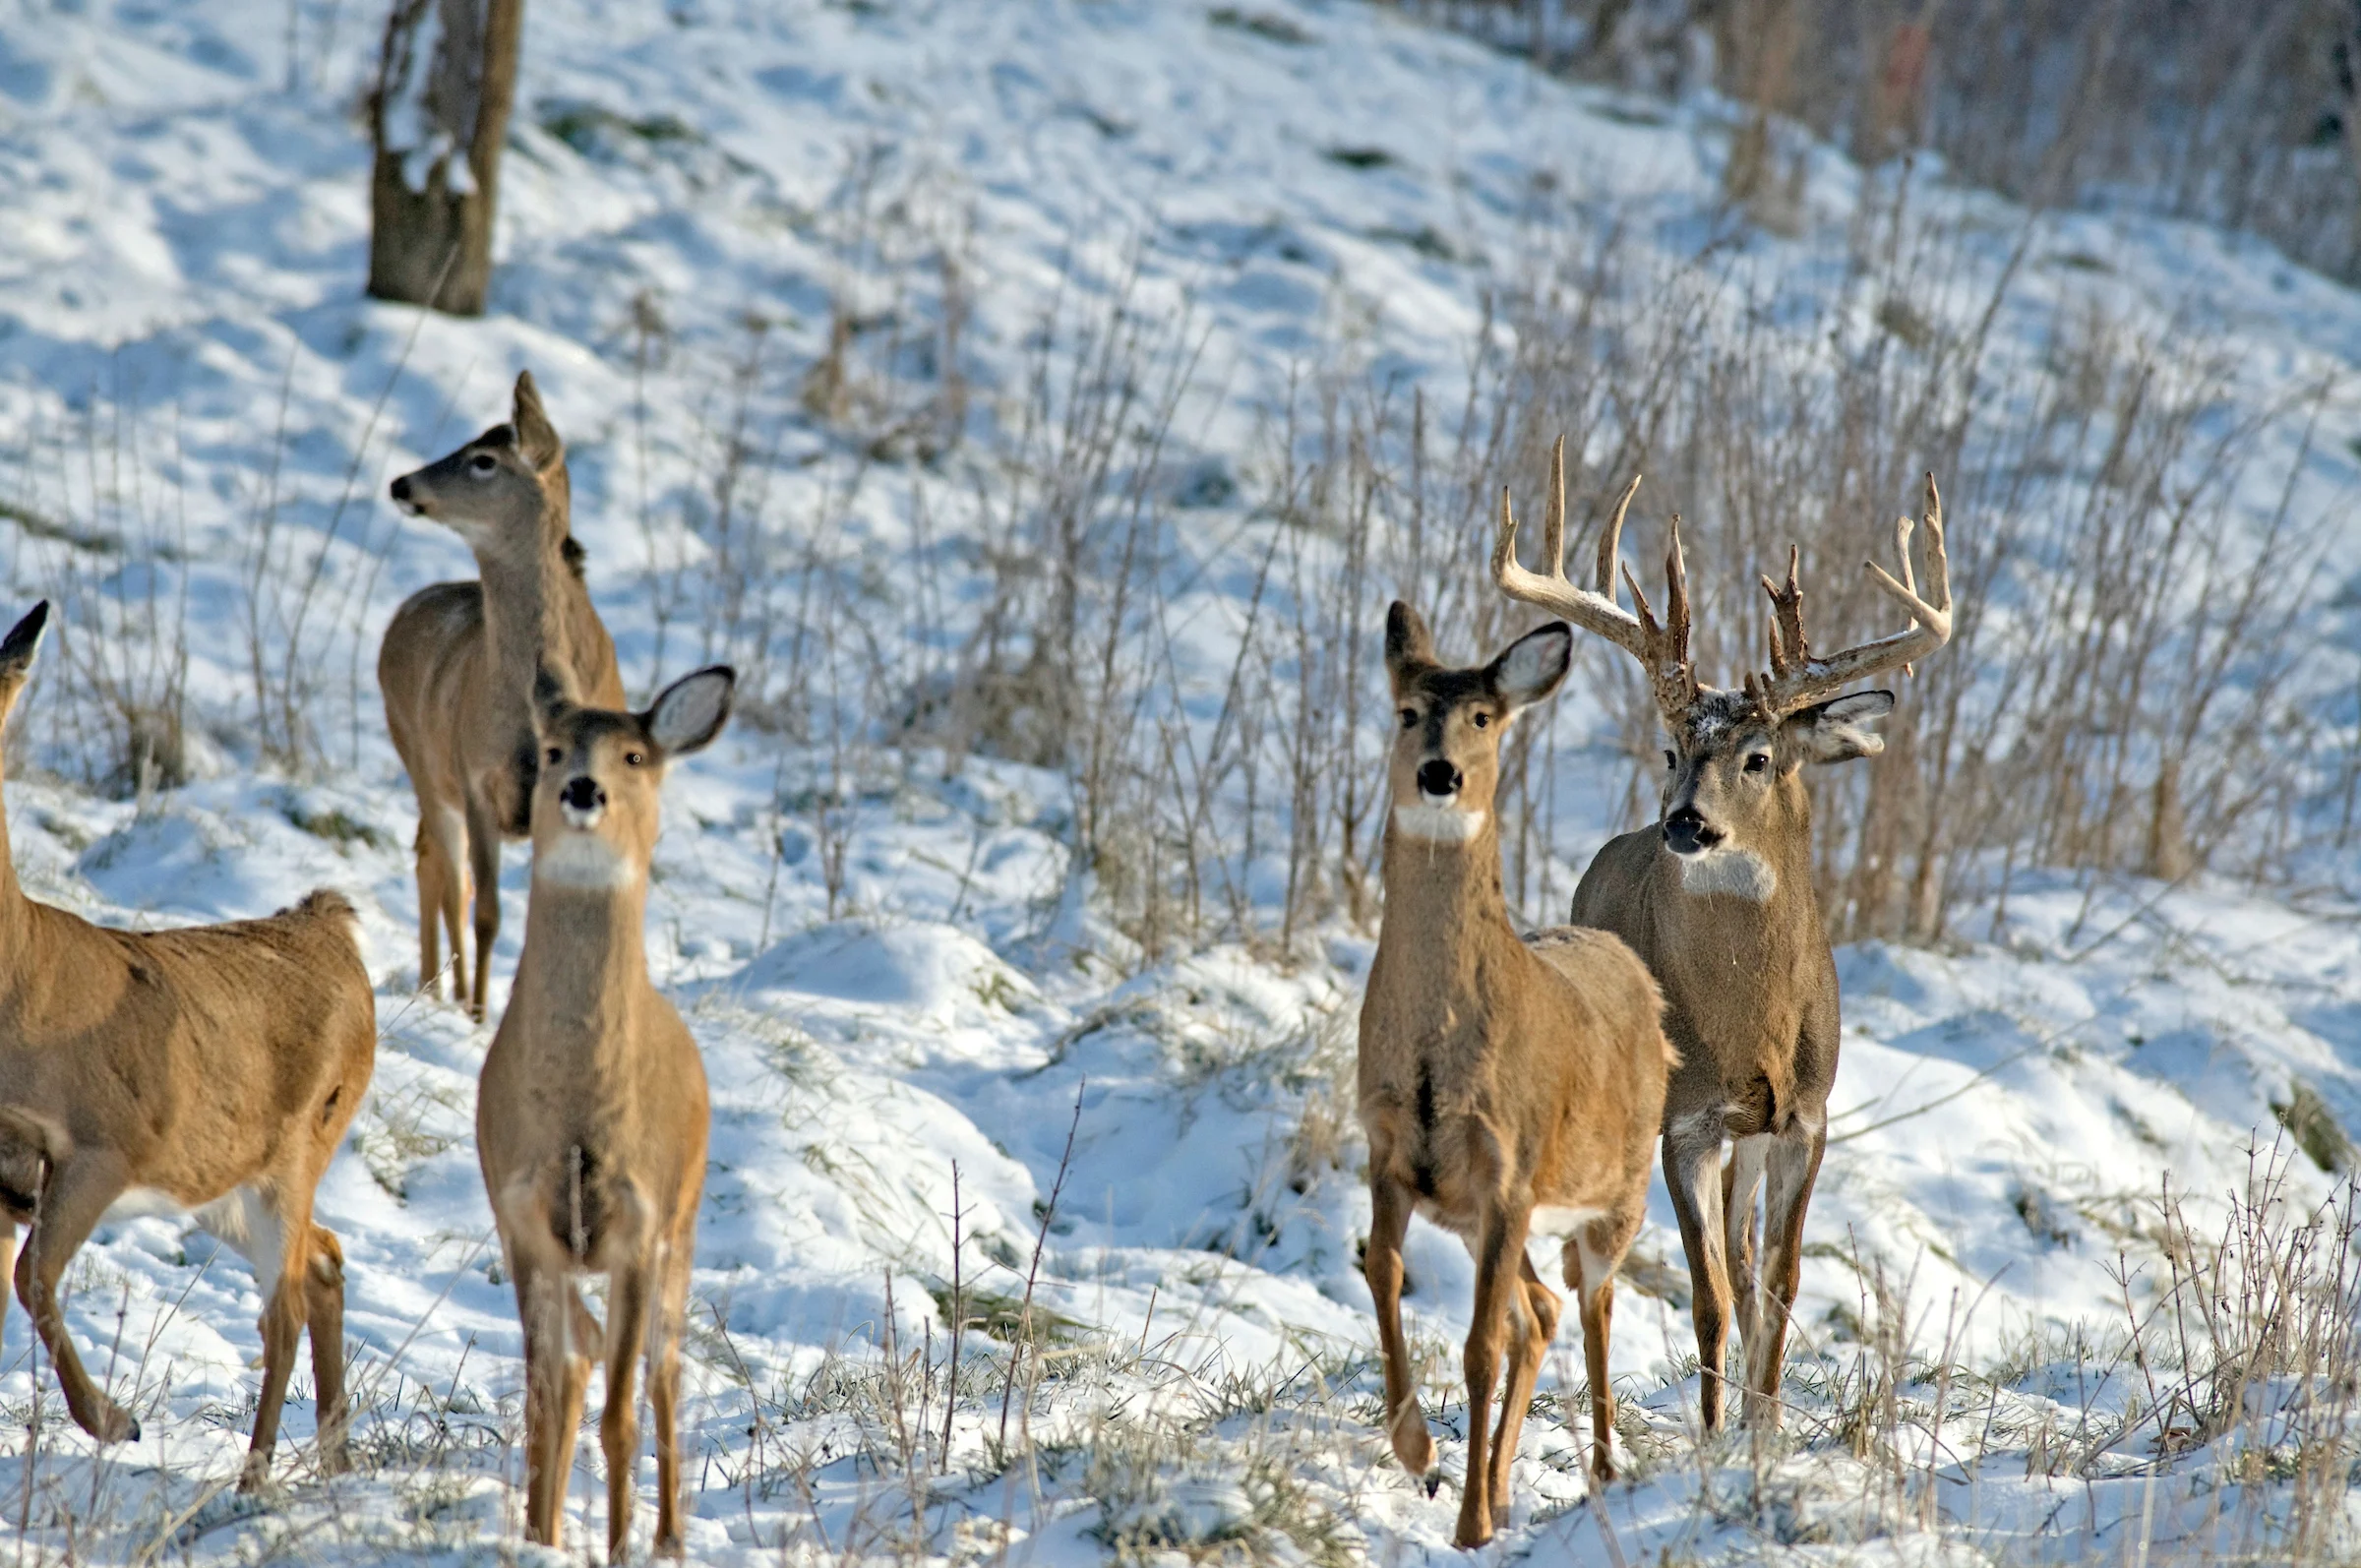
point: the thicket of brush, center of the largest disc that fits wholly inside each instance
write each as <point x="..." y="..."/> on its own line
<point x="2208" y="109"/>
<point x="2123" y="692"/>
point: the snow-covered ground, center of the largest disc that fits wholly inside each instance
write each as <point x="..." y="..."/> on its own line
<point x="906" y="990"/>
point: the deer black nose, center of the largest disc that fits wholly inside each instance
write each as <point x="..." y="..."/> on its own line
<point x="1686" y="831"/>
<point x="582" y="792"/>
<point x="402" y="488"/>
<point x="1438" y="777"/>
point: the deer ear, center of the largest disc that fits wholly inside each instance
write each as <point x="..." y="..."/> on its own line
<point x="1839" y="730"/>
<point x="536" y="437"/>
<point x="1407" y="639"/>
<point x="1530" y="668"/>
<point x="17" y="650"/>
<point x="690" y="711"/>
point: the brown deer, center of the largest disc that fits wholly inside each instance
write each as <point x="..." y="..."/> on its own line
<point x="1718" y="898"/>
<point x="210" y="1069"/>
<point x="591" y="1116"/>
<point x="1509" y="1087"/>
<point x="458" y="663"/>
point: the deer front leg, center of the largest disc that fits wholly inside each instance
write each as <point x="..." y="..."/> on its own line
<point x="1741" y="1186"/>
<point x="629" y="1294"/>
<point x="71" y="1198"/>
<point x="664" y="1387"/>
<point x="1693" y="1176"/>
<point x="1794" y="1167"/>
<point x="1381" y="1266"/>
<point x="1533" y="1324"/>
<point x="1497" y="1247"/>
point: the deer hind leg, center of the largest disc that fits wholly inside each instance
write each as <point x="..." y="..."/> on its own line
<point x="1498" y="1246"/>
<point x="1693" y="1176"/>
<point x="1794" y="1165"/>
<point x="441" y="895"/>
<point x="1592" y="1257"/>
<point x="1533" y="1324"/>
<point x="664" y="1331"/>
<point x="629" y="1295"/>
<point x="1741" y="1185"/>
<point x="1382" y="1265"/>
<point x="324" y="1315"/>
<point x="75" y="1195"/>
<point x="483" y="864"/>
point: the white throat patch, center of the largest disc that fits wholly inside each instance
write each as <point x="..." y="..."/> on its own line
<point x="1738" y="872"/>
<point x="1438" y="824"/>
<point x="584" y="860"/>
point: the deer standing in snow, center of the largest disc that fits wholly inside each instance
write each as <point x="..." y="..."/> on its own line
<point x="591" y="1115"/>
<point x="1509" y="1087"/>
<point x="457" y="664"/>
<point x="211" y="1069"/>
<point x="1716" y="896"/>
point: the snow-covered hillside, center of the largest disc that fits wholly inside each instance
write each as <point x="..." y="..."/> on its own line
<point x="907" y="985"/>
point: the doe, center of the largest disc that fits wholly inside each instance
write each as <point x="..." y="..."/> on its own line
<point x="591" y="1116"/>
<point x="1509" y="1087"/>
<point x="458" y="663"/>
<point x="210" y="1069"/>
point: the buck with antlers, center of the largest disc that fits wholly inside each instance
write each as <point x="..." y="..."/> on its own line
<point x="1718" y="898"/>
<point x="458" y="663"/>
<point x="210" y="1069"/>
<point x="1509" y="1087"/>
<point x="591" y="1116"/>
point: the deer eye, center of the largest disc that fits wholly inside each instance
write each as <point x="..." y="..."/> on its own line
<point x="1670" y="760"/>
<point x="482" y="464"/>
<point x="635" y="758"/>
<point x="1483" y="719"/>
<point x="553" y="757"/>
<point x="1409" y="718"/>
<point x="1756" y="761"/>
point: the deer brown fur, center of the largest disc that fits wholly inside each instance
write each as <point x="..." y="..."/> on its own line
<point x="1508" y="1086"/>
<point x="212" y="1069"/>
<point x="1716" y="896"/>
<point x="591" y="1116"/>
<point x="457" y="664"/>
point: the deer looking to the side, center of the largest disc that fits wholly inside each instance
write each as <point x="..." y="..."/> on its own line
<point x="458" y="663"/>
<point x="1716" y="896"/>
<point x="591" y="1115"/>
<point x="1509" y="1087"/>
<point x="210" y="1069"/>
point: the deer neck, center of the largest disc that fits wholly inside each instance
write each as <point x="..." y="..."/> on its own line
<point x="1443" y="906"/>
<point x="582" y="976"/>
<point x="531" y="599"/>
<point x="14" y="905"/>
<point x="1766" y="908"/>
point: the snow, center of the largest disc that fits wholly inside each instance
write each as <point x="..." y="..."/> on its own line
<point x="185" y="361"/>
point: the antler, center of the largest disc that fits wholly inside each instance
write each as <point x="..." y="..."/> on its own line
<point x="1662" y="650"/>
<point x="1796" y="679"/>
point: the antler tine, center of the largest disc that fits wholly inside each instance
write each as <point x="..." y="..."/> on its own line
<point x="1611" y="542"/>
<point x="1806" y="679"/>
<point x="1788" y="649"/>
<point x="1553" y="516"/>
<point x="1662" y="650"/>
<point x="1592" y="612"/>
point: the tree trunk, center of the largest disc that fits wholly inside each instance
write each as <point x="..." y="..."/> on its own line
<point x="430" y="239"/>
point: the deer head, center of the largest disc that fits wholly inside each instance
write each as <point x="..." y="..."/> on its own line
<point x="1446" y="759"/>
<point x="1734" y="808"/>
<point x="496" y="491"/>
<point x="595" y="809"/>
